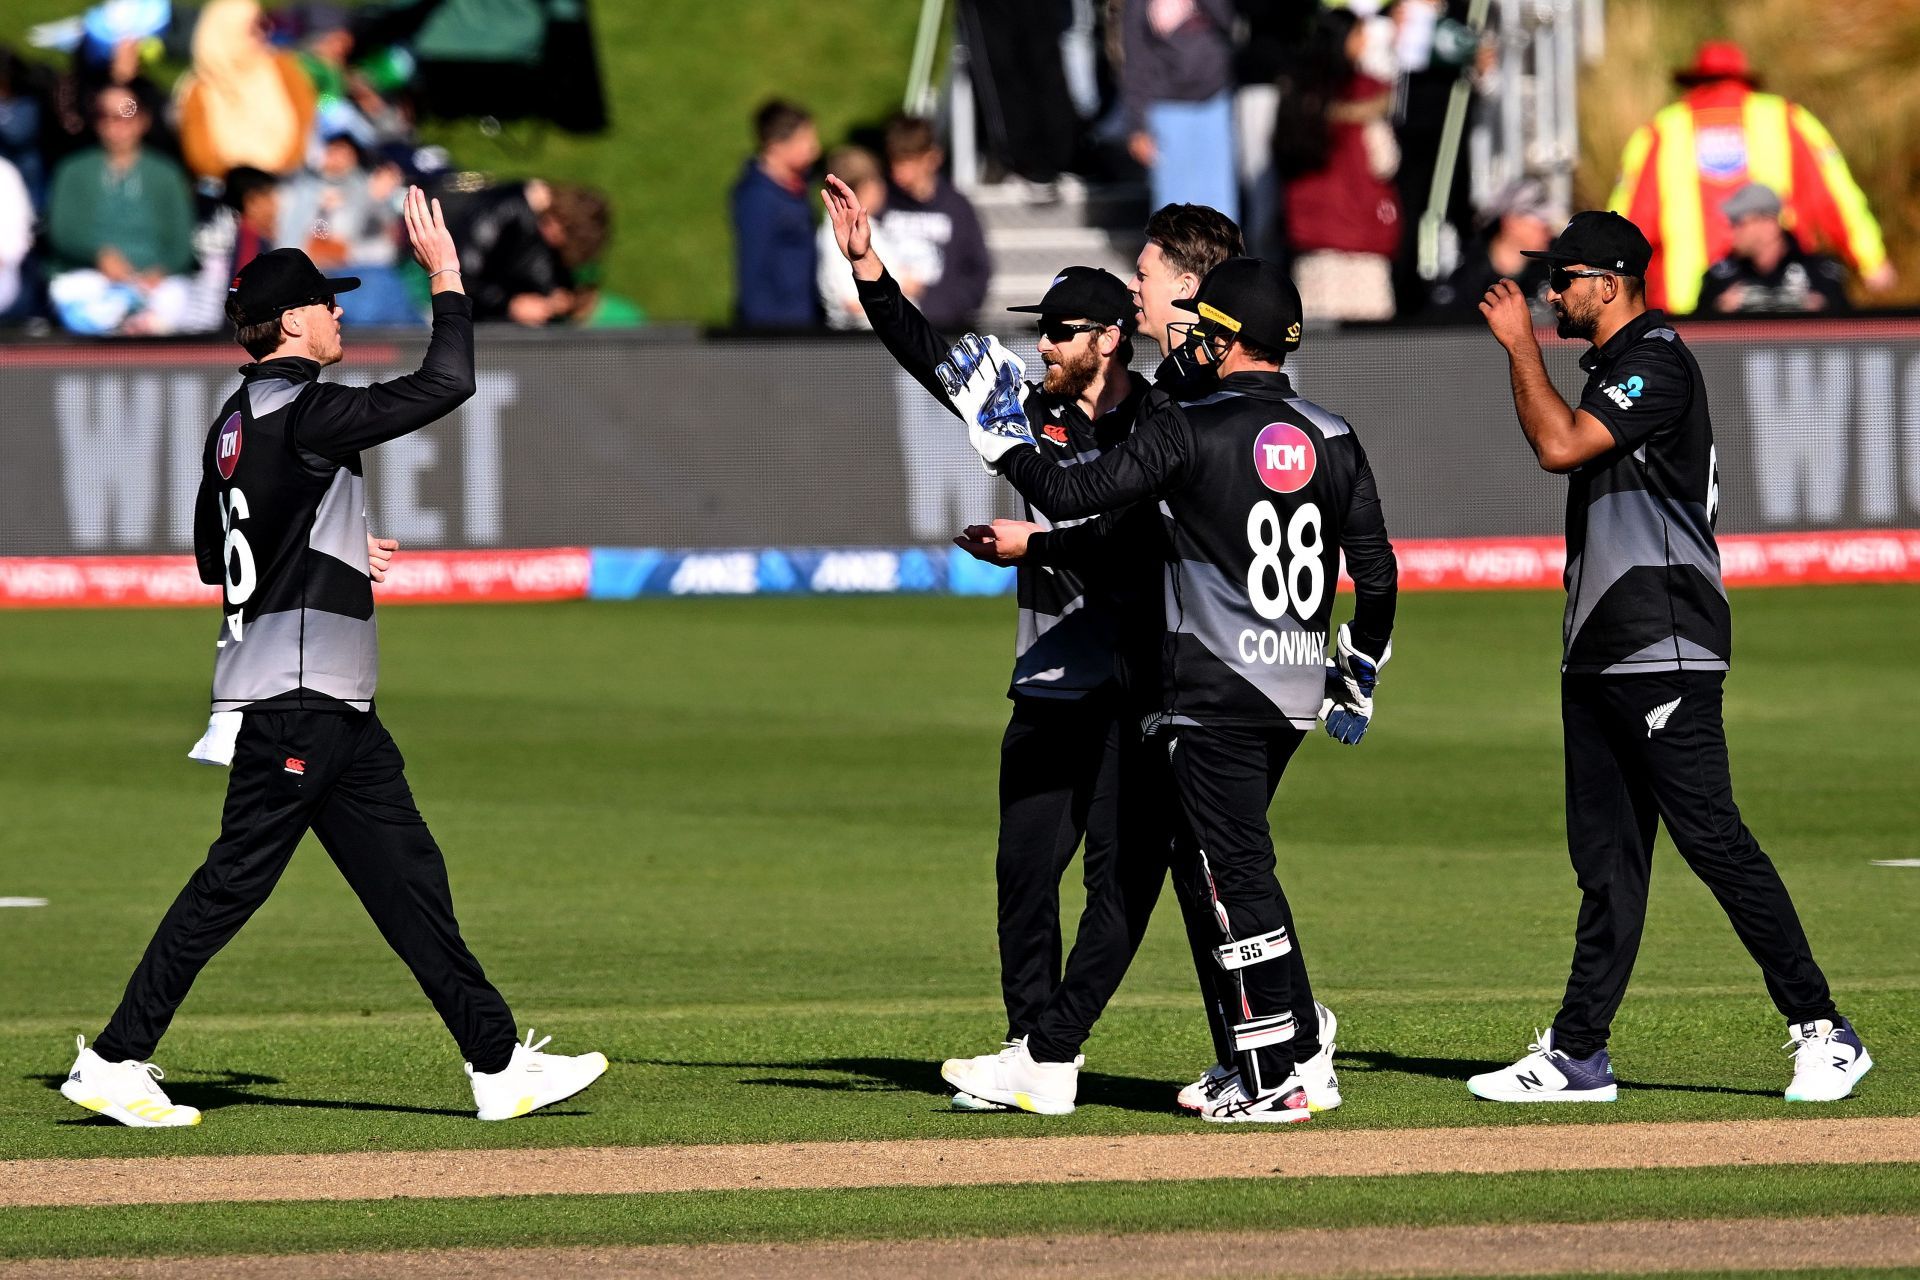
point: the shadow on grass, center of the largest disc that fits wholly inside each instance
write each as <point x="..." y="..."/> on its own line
<point x="1459" y="1069"/>
<point x="232" y="1089"/>
<point x="920" y="1075"/>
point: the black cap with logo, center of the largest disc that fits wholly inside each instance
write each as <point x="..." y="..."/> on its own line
<point x="1250" y="298"/>
<point x="1086" y="291"/>
<point x="280" y="280"/>
<point x="1601" y="239"/>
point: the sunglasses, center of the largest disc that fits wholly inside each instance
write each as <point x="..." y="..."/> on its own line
<point x="1059" y="331"/>
<point x="1559" y="279"/>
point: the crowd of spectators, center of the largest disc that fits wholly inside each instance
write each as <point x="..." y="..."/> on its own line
<point x="126" y="208"/>
<point x="1317" y="125"/>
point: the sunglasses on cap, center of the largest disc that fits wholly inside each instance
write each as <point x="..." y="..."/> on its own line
<point x="1058" y="331"/>
<point x="1560" y="279"/>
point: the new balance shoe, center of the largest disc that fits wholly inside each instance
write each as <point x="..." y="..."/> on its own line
<point x="125" y="1091"/>
<point x="532" y="1080"/>
<point x="1012" y="1078"/>
<point x="1548" y="1075"/>
<point x="1828" y="1060"/>
<point x="1316" y="1073"/>
<point x="963" y="1101"/>
<point x="1232" y="1104"/>
<point x="1194" y="1096"/>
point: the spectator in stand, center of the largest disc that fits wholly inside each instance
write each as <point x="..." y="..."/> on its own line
<point x="774" y="248"/>
<point x="1678" y="172"/>
<point x="1520" y="219"/>
<point x="1031" y="125"/>
<point x="1334" y="147"/>
<point x="1177" y="81"/>
<point x="519" y="245"/>
<point x="933" y="228"/>
<point x="120" y="221"/>
<point x="347" y="220"/>
<point x="1768" y="270"/>
<point x="121" y="65"/>
<point x="244" y="102"/>
<point x="16" y="243"/>
<point x="860" y="169"/>
<point x="243" y="226"/>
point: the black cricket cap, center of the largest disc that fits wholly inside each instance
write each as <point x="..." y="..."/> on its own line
<point x="280" y="280"/>
<point x="1250" y="298"/>
<point x="1601" y="239"/>
<point x="1086" y="291"/>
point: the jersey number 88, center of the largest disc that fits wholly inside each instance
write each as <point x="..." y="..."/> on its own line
<point x="1298" y="582"/>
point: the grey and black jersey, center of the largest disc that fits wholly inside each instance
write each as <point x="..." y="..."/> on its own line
<point x="1261" y="491"/>
<point x="1644" y="592"/>
<point x="280" y="521"/>
<point x="1066" y="641"/>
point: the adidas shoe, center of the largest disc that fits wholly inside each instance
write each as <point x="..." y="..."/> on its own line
<point x="125" y="1091"/>
<point x="1548" y="1075"/>
<point x="1231" y="1104"/>
<point x="1316" y="1073"/>
<point x="532" y="1080"/>
<point x="1012" y="1078"/>
<point x="1828" y="1060"/>
<point x="1201" y="1091"/>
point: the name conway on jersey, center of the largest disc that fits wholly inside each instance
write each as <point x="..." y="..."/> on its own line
<point x="280" y="521"/>
<point x="1261" y="490"/>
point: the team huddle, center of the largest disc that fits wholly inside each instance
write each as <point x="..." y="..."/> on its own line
<point x="1176" y="581"/>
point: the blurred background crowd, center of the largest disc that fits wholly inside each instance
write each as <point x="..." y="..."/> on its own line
<point x="1396" y="155"/>
<point x="127" y="207"/>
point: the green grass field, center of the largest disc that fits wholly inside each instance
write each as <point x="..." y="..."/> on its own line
<point x="627" y="792"/>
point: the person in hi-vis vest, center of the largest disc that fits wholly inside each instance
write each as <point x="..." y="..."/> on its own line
<point x="1723" y="133"/>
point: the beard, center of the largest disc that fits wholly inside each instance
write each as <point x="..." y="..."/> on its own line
<point x="1070" y="378"/>
<point x="1576" y="324"/>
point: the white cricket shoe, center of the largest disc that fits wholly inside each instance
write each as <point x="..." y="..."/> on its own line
<point x="1547" y="1074"/>
<point x="123" y="1091"/>
<point x="532" y="1080"/>
<point x="1828" y="1060"/>
<point x="1196" y="1095"/>
<point x="963" y="1101"/>
<point x="1012" y="1078"/>
<point x="1231" y="1103"/>
<point x="1316" y="1073"/>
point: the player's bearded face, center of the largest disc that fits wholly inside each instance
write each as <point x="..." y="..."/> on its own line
<point x="1578" y="311"/>
<point x="1072" y="368"/>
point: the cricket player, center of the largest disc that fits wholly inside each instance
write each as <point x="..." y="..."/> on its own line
<point x="281" y="525"/>
<point x="1647" y="642"/>
<point x="1261" y="491"/>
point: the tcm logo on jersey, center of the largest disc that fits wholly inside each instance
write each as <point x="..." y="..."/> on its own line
<point x="226" y="449"/>
<point x="1284" y="457"/>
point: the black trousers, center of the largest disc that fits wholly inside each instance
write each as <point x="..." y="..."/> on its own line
<point x="1071" y="770"/>
<point x="1021" y="83"/>
<point x="1226" y="779"/>
<point x="341" y="775"/>
<point x="1647" y="749"/>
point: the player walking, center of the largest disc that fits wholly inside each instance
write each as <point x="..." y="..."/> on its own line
<point x="281" y="523"/>
<point x="1648" y="639"/>
<point x="1261" y="492"/>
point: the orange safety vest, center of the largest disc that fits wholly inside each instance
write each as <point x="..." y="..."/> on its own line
<point x="1698" y="163"/>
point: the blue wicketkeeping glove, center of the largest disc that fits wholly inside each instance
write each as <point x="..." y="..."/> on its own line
<point x="1351" y="678"/>
<point x="983" y="379"/>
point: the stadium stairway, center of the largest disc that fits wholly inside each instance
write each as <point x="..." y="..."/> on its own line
<point x="1031" y="238"/>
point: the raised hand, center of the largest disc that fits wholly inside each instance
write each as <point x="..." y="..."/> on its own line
<point x="427" y="233"/>
<point x="851" y="229"/>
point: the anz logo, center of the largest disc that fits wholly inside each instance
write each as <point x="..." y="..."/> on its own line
<point x="1625" y="393"/>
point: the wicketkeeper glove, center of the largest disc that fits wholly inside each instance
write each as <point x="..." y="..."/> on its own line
<point x="1351" y="678"/>
<point x="983" y="379"/>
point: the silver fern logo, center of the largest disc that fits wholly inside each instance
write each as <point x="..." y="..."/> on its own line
<point x="1658" y="717"/>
